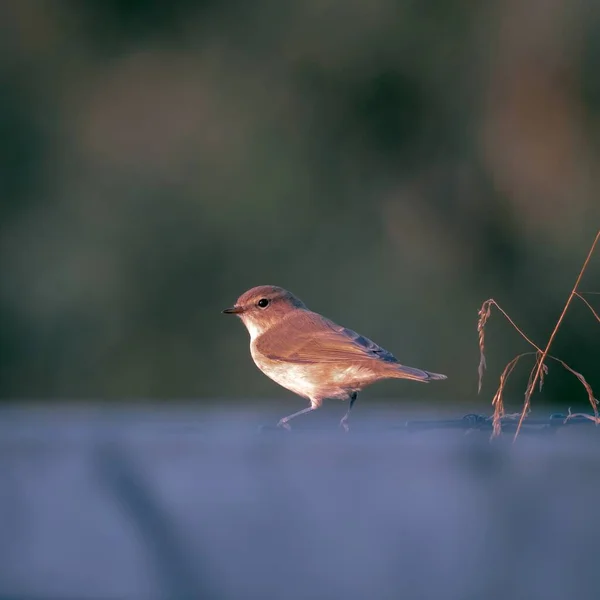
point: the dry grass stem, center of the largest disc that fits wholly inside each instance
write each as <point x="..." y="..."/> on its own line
<point x="484" y="314"/>
<point x="588" y="305"/>
<point x="593" y="418"/>
<point x="497" y="400"/>
<point x="542" y="359"/>
<point x="532" y="381"/>
<point x="586" y="385"/>
<point x="543" y="376"/>
<point x="540" y="369"/>
<point x="543" y="372"/>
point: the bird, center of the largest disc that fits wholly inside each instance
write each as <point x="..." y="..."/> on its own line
<point x="312" y="356"/>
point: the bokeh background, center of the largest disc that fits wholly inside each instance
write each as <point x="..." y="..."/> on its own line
<point x="393" y="163"/>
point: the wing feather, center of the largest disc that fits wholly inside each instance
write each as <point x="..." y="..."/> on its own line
<point x="306" y="337"/>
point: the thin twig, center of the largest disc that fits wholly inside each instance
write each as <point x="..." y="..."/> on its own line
<point x="531" y="387"/>
<point x="491" y="301"/>
<point x="594" y="418"/>
<point x="586" y="385"/>
<point x="497" y="400"/>
<point x="588" y="305"/>
<point x="484" y="314"/>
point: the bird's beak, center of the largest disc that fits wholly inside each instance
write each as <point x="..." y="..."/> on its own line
<point x="234" y="310"/>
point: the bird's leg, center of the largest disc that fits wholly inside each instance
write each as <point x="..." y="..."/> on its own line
<point x="344" y="421"/>
<point x="284" y="422"/>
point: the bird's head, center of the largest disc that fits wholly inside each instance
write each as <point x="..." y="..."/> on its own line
<point x="264" y="306"/>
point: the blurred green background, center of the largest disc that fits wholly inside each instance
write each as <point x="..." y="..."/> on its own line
<point x="393" y="163"/>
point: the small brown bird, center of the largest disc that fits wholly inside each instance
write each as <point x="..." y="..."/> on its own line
<point x="309" y="354"/>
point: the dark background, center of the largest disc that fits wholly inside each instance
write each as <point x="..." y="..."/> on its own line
<point x="392" y="163"/>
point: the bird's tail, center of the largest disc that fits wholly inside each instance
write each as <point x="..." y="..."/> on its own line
<point x="404" y="372"/>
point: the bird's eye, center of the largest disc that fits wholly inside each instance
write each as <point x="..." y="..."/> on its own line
<point x="263" y="303"/>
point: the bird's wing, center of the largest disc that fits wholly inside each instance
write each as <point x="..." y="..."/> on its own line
<point x="307" y="337"/>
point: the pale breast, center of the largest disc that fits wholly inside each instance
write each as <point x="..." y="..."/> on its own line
<point x="313" y="380"/>
<point x="296" y="378"/>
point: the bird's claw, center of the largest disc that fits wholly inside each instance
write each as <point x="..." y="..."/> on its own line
<point x="344" y="425"/>
<point x="283" y="423"/>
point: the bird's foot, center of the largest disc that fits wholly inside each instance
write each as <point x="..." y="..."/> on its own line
<point x="344" y="424"/>
<point x="284" y="424"/>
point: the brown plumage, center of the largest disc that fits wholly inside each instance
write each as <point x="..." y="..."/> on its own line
<point x="311" y="355"/>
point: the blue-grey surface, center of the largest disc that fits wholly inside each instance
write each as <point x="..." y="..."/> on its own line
<point x="151" y="504"/>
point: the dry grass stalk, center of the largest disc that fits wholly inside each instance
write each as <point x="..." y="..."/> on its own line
<point x="542" y="358"/>
<point x="580" y="296"/>
<point x="593" y="418"/>
<point x="532" y="381"/>
<point x="497" y="400"/>
<point x="484" y="314"/>
<point x="543" y="376"/>
<point x="588" y="388"/>
<point x="540" y="369"/>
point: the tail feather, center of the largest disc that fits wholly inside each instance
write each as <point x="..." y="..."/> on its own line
<point x="403" y="372"/>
